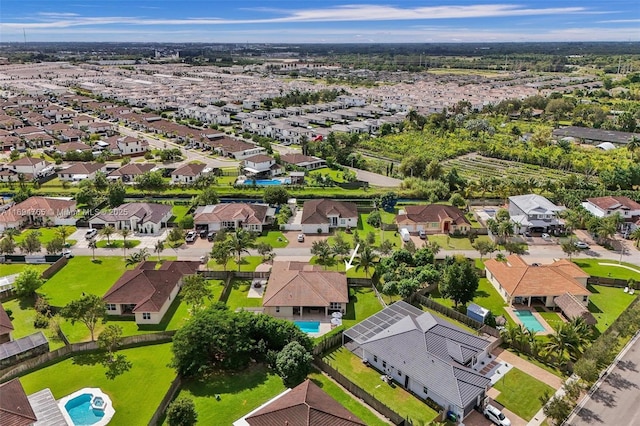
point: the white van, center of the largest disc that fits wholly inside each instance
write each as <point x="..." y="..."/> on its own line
<point x="405" y="235"/>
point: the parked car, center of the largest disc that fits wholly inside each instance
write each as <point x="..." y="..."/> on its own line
<point x="67" y="253"/>
<point x="191" y="236"/>
<point x="91" y="233"/>
<point x="422" y="234"/>
<point x="301" y="238"/>
<point x="211" y="235"/>
<point x="546" y="236"/>
<point x="496" y="416"/>
<point x="203" y="233"/>
<point x="581" y="245"/>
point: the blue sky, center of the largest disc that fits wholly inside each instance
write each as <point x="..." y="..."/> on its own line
<point x="327" y="21"/>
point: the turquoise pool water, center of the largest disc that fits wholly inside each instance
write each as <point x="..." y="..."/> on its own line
<point x="267" y="182"/>
<point x="80" y="411"/>
<point x="529" y="321"/>
<point x="308" y="326"/>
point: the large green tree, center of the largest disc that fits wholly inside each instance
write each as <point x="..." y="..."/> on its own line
<point x="293" y="363"/>
<point x="182" y="412"/>
<point x="28" y="281"/>
<point x="195" y="290"/>
<point x="459" y="283"/>
<point x="88" y="310"/>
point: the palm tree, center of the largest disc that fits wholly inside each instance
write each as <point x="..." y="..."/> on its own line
<point x="635" y="236"/>
<point x="11" y="233"/>
<point x="632" y="145"/>
<point x="63" y="232"/>
<point x="125" y="233"/>
<point x="221" y="253"/>
<point x="93" y="245"/>
<point x="158" y="248"/>
<point x="240" y="242"/>
<point x="505" y="230"/>
<point x="108" y="231"/>
<point x="365" y="260"/>
<point x="606" y="229"/>
<point x="556" y="343"/>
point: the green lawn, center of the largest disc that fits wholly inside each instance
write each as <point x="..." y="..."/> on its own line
<point x="82" y="275"/>
<point x="607" y="303"/>
<point x="275" y="238"/>
<point x="22" y="316"/>
<point x="238" y="296"/>
<point x="135" y="394"/>
<point x="455" y="243"/>
<point x="336" y="175"/>
<point x="117" y="243"/>
<point x="593" y="267"/>
<point x="486" y="296"/>
<point x="240" y="393"/>
<point x="346" y="399"/>
<point x="248" y="264"/>
<point x="552" y="318"/>
<point x="519" y="392"/>
<point x="364" y="228"/>
<point x="179" y="212"/>
<point x="46" y="235"/>
<point x="338" y="265"/>
<point x="16" y="268"/>
<point x="396" y="398"/>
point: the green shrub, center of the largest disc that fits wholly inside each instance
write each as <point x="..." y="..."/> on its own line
<point x="41" y="321"/>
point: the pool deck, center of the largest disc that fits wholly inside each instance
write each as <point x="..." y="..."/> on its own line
<point x="109" y="411"/>
<point x="510" y="310"/>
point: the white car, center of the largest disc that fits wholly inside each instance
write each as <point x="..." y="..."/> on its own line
<point x="546" y="236"/>
<point x="496" y="416"/>
<point x="91" y="233"/>
<point x="67" y="253"/>
<point x="581" y="245"/>
<point x="301" y="238"/>
<point x="191" y="236"/>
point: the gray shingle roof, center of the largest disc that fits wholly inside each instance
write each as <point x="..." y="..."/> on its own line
<point x="429" y="347"/>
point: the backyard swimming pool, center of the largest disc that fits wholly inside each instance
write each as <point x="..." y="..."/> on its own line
<point x="529" y="321"/>
<point x="267" y="182"/>
<point x="308" y="326"/>
<point x="87" y="407"/>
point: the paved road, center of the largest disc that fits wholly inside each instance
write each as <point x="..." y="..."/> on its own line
<point x="617" y="400"/>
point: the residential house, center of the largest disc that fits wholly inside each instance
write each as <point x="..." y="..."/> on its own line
<point x="304" y="161"/>
<point x="535" y="214"/>
<point x="65" y="148"/>
<point x="146" y="292"/>
<point x="321" y="215"/>
<point x="424" y="354"/>
<point x="612" y="205"/>
<point x="129" y="172"/>
<point x="40" y="211"/>
<point x="296" y="289"/>
<point x="189" y="173"/>
<point x="147" y="218"/>
<point x="128" y="145"/>
<point x="305" y="405"/>
<point x="15" y="409"/>
<point x="9" y="143"/>
<point x="251" y="217"/>
<point x="433" y="219"/>
<point x="9" y="219"/>
<point x="81" y="171"/>
<point x="30" y="167"/>
<point x="6" y="327"/>
<point x="261" y="166"/>
<point x="234" y="148"/>
<point x="521" y="283"/>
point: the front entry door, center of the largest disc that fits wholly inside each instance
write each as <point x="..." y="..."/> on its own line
<point x="406" y="382"/>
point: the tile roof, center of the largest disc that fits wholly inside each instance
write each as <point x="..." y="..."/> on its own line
<point x="27" y="161"/>
<point x="295" y="158"/>
<point x="428" y="348"/>
<point x="15" y="409"/>
<point x="191" y="169"/>
<point x="6" y="326"/>
<point x="83" y="168"/>
<point x="45" y="206"/>
<point x="572" y="308"/>
<point x="300" y="284"/>
<point x="144" y="212"/>
<point x="72" y="146"/>
<point x="248" y="213"/>
<point x="133" y="169"/>
<point x="611" y="203"/>
<point x="149" y="289"/>
<point x="260" y="158"/>
<point x="304" y="405"/>
<point x="318" y="211"/>
<point x="521" y="279"/>
<point x="431" y="213"/>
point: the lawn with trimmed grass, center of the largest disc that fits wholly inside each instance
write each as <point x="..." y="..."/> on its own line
<point x="485" y="296"/>
<point x="364" y="228"/>
<point x="520" y="393"/>
<point x="117" y="243"/>
<point x="346" y="399"/>
<point x="552" y="318"/>
<point x="455" y="243"/>
<point x="396" y="398"/>
<point x="16" y="268"/>
<point x="238" y="295"/>
<point x="338" y="265"/>
<point x="178" y="212"/>
<point x="135" y="394"/>
<point x="240" y="393"/>
<point x="247" y="264"/>
<point x="593" y="267"/>
<point x="607" y="303"/>
<point x="274" y="238"/>
<point x="22" y="316"/>
<point x="46" y="235"/>
<point x="82" y="275"/>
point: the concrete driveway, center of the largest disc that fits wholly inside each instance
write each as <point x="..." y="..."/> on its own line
<point x="292" y="236"/>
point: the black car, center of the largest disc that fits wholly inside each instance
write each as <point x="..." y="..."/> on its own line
<point x="211" y="235"/>
<point x="203" y="233"/>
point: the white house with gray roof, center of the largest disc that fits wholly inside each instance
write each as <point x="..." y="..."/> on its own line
<point x="534" y="213"/>
<point x="424" y="354"/>
<point x="146" y="218"/>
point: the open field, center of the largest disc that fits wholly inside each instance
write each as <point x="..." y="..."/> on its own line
<point x="22" y="316"/>
<point x="135" y="394"/>
<point x="16" y="268"/>
<point x="607" y="303"/>
<point x="519" y="392"/>
<point x="593" y="267"/>
<point x="46" y="235"/>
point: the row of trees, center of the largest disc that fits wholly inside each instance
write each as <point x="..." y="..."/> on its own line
<point x="31" y="242"/>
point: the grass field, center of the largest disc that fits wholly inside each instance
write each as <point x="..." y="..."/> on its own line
<point x="117" y="243"/>
<point x="607" y="303"/>
<point x="519" y="392"/>
<point x="22" y="316"/>
<point x="486" y="296"/>
<point x="456" y="243"/>
<point x="275" y="238"/>
<point x="552" y="318"/>
<point x="16" y="268"/>
<point x="238" y="296"/>
<point x="239" y="393"/>
<point x="593" y="267"/>
<point x="336" y="264"/>
<point x="396" y="398"/>
<point x="82" y="275"/>
<point x="364" y="229"/>
<point x="346" y="399"/>
<point x="179" y="212"/>
<point x="46" y="235"/>
<point x="248" y="263"/>
<point x="135" y="394"/>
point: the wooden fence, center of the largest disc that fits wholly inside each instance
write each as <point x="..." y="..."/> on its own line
<point x="607" y="282"/>
<point x="55" y="267"/>
<point x="166" y="400"/>
<point x="75" y="348"/>
<point x="327" y="344"/>
<point x="222" y="275"/>
<point x="451" y="313"/>
<point x="365" y="396"/>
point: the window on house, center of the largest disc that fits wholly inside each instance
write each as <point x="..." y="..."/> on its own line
<point x="384" y="364"/>
<point x="335" y="305"/>
<point x="585" y="298"/>
<point x="277" y="308"/>
<point x="111" y="307"/>
<point x="399" y="373"/>
<point x="425" y="390"/>
<point x="146" y="315"/>
<point x="375" y="358"/>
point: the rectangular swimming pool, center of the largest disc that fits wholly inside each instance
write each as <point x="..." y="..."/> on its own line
<point x="529" y="321"/>
<point x="308" y="326"/>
